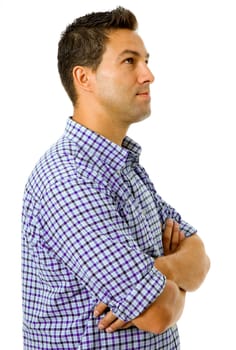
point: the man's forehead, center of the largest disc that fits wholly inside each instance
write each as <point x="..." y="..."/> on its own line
<point x="124" y="41"/>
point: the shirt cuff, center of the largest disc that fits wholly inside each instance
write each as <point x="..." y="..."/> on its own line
<point x="188" y="229"/>
<point x="140" y="296"/>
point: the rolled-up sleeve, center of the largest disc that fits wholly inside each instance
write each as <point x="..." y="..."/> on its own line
<point x="83" y="228"/>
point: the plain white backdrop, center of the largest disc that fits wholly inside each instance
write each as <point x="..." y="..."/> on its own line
<point x="188" y="142"/>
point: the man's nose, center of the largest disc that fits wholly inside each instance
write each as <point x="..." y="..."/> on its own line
<point x="146" y="75"/>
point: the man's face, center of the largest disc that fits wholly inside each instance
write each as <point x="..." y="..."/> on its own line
<point x="123" y="78"/>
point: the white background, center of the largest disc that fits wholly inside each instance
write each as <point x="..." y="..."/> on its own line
<point x="188" y="143"/>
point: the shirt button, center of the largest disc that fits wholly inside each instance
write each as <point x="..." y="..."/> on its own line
<point x="118" y="171"/>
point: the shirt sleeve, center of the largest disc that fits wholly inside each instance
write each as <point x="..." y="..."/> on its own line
<point x="167" y="211"/>
<point x="83" y="228"/>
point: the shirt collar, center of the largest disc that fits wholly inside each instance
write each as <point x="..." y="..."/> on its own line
<point x="101" y="150"/>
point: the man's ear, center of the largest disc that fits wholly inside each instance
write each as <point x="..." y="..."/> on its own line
<point x="82" y="77"/>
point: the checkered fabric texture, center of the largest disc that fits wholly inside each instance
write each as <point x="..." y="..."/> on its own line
<point x="91" y="229"/>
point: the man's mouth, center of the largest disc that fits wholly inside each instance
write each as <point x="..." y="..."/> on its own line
<point x="145" y="94"/>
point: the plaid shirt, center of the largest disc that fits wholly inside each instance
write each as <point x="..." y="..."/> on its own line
<point x="91" y="229"/>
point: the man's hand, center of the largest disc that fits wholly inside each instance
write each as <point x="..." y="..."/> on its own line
<point x="179" y="254"/>
<point x="185" y="261"/>
<point x="110" y="322"/>
<point x="160" y="315"/>
<point x="171" y="236"/>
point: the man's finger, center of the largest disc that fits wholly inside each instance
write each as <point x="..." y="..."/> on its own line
<point x="99" y="309"/>
<point x="107" y="320"/>
<point x="167" y="234"/>
<point x="118" y="324"/>
<point x="175" y="239"/>
<point x="128" y="325"/>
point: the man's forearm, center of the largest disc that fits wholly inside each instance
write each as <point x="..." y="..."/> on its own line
<point x="187" y="266"/>
<point x="164" y="312"/>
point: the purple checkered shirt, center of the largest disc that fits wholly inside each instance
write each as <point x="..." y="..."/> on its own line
<point x="91" y="229"/>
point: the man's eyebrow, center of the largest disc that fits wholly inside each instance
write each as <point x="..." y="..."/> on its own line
<point x="132" y="52"/>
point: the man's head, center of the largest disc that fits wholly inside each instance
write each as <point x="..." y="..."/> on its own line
<point x="83" y="43"/>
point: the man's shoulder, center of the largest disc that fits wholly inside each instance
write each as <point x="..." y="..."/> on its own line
<point x="57" y="164"/>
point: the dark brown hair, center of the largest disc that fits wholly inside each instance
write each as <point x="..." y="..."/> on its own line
<point x="84" y="42"/>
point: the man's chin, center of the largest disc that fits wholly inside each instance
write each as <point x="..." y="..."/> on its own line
<point x="144" y="116"/>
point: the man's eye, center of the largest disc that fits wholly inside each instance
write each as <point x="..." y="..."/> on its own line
<point x="129" y="60"/>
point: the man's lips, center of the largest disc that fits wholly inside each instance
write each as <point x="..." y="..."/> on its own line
<point x="144" y="91"/>
<point x="144" y="94"/>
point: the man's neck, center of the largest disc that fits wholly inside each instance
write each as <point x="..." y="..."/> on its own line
<point x="103" y="126"/>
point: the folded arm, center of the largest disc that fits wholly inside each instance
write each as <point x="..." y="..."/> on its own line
<point x="185" y="261"/>
<point x="185" y="264"/>
<point x="163" y="313"/>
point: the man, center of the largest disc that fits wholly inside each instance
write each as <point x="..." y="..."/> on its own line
<point x="106" y="261"/>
